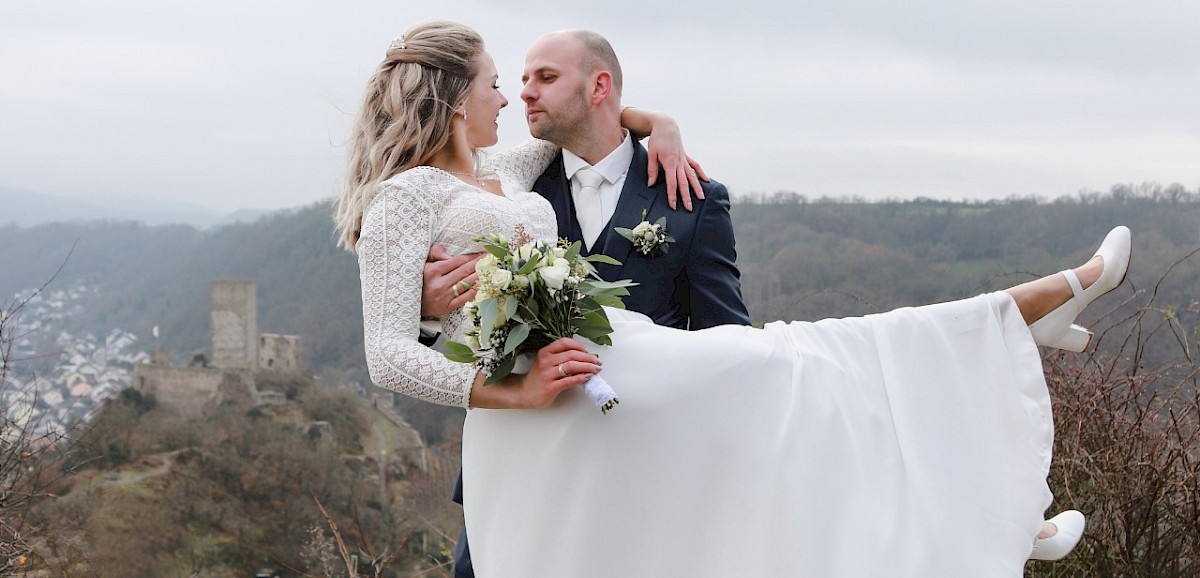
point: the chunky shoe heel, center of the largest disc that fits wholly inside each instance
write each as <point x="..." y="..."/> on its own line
<point x="1058" y="328"/>
<point x="1076" y="338"/>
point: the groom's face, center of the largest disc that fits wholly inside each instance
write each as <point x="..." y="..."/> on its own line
<point x="556" y="90"/>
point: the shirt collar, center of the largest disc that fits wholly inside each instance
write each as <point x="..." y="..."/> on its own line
<point x="611" y="167"/>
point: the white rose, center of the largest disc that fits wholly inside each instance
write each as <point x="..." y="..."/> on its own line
<point x="559" y="252"/>
<point x="528" y="253"/>
<point x="556" y="274"/>
<point x="642" y="229"/>
<point x="521" y="281"/>
<point x="501" y="278"/>
<point x="489" y="261"/>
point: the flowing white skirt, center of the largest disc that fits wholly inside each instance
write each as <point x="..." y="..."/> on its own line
<point x="914" y="443"/>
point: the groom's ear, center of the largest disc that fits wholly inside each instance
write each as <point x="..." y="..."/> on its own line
<point x="602" y="84"/>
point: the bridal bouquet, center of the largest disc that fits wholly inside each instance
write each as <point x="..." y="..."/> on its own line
<point x="529" y="294"/>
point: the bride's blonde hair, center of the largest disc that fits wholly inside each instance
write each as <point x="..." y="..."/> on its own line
<point x="406" y="112"/>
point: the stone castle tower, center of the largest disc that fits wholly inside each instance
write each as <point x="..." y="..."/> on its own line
<point x="235" y="324"/>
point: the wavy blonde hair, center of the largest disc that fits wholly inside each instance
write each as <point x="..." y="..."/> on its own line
<point x="406" y="112"/>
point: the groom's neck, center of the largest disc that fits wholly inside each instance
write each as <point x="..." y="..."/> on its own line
<point x="602" y="140"/>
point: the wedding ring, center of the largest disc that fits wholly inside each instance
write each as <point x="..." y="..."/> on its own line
<point x="561" y="373"/>
<point x="454" y="289"/>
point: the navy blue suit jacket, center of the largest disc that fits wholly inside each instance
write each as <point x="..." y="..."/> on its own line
<point x="694" y="285"/>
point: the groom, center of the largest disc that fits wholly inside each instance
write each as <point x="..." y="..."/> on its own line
<point x="572" y="98"/>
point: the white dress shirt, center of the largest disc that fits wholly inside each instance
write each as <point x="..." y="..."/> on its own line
<point x="613" y="168"/>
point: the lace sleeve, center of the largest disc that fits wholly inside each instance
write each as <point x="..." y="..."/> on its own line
<point x="396" y="233"/>
<point x="523" y="163"/>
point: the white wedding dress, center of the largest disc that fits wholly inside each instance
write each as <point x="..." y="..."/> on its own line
<point x="915" y="443"/>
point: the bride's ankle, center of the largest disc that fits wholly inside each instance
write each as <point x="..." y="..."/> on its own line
<point x="1090" y="272"/>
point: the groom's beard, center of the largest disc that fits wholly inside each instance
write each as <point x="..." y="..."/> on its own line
<point x="566" y="126"/>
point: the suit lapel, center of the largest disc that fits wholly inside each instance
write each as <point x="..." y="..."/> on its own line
<point x="635" y="198"/>
<point x="554" y="186"/>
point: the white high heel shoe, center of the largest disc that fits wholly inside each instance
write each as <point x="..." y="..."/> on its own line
<point x="1070" y="524"/>
<point x="1057" y="328"/>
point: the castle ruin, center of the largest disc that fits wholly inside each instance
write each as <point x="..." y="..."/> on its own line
<point x="238" y="351"/>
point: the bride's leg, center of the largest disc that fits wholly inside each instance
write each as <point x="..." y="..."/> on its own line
<point x="1038" y="297"/>
<point x="1050" y="305"/>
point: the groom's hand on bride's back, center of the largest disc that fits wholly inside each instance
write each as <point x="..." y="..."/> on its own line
<point x="563" y="364"/>
<point x="447" y="282"/>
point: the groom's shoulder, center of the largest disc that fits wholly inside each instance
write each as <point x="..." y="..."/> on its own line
<point x="715" y="190"/>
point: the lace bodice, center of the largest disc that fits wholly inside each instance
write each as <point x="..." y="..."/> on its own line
<point x="412" y="211"/>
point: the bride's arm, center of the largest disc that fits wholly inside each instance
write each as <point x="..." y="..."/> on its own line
<point x="526" y="161"/>
<point x="396" y="233"/>
<point x="666" y="148"/>
<point x="523" y="163"/>
<point x="397" y="230"/>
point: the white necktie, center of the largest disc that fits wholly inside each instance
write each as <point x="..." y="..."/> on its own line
<point x="588" y="210"/>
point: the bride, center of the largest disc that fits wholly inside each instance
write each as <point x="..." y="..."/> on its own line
<point x="910" y="443"/>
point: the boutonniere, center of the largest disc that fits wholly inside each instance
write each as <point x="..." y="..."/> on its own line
<point x="650" y="239"/>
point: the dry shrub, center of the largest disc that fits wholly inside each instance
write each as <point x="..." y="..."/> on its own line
<point x="1127" y="450"/>
<point x="30" y="455"/>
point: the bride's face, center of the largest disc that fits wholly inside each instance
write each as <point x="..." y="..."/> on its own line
<point x="484" y="102"/>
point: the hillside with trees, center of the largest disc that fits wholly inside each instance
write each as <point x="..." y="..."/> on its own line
<point x="271" y="489"/>
<point x="1127" y="414"/>
<point x="800" y="259"/>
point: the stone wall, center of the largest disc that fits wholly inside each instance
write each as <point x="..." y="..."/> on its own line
<point x="193" y="391"/>
<point x="279" y="352"/>
<point x="190" y="391"/>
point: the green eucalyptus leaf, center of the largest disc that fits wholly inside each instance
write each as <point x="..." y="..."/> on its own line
<point x="573" y="251"/>
<point x="610" y="284"/>
<point x="497" y="251"/>
<point x="602" y="258"/>
<point x="459" y="352"/>
<point x="528" y="267"/>
<point x="594" y="334"/>
<point x="609" y="300"/>
<point x="488" y="312"/>
<point x="516" y="337"/>
<point x="505" y="368"/>
<point x="597" y="317"/>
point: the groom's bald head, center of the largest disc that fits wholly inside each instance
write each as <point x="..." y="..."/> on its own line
<point x="597" y="54"/>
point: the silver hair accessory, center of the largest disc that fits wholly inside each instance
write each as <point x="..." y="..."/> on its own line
<point x="397" y="44"/>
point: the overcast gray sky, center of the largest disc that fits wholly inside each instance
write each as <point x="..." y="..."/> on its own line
<point x="247" y="104"/>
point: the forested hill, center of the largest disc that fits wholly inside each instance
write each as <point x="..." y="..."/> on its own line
<point x="146" y="276"/>
<point x="799" y="260"/>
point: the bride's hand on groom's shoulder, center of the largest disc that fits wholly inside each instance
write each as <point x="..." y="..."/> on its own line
<point x="682" y="173"/>
<point x="559" y="366"/>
